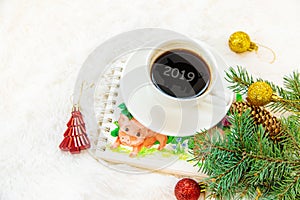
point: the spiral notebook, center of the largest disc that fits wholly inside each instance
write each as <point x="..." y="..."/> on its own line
<point x="124" y="144"/>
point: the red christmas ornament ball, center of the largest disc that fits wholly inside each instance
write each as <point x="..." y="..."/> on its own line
<point x="187" y="189"/>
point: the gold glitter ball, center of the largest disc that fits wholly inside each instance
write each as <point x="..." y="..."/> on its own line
<point x="240" y="42"/>
<point x="259" y="93"/>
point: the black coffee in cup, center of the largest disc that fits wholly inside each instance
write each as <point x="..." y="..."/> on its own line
<point x="180" y="73"/>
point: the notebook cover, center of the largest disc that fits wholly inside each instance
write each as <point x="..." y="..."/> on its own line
<point x="125" y="144"/>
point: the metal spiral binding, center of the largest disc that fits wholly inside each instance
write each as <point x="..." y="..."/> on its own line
<point x="105" y="129"/>
<point x="106" y="95"/>
<point x="106" y="102"/>
<point x="110" y="111"/>
<point x="112" y="85"/>
<point x="120" y="69"/>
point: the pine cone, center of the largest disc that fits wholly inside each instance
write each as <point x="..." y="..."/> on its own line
<point x="261" y="116"/>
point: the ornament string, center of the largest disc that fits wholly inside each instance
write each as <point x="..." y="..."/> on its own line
<point x="268" y="48"/>
<point x="82" y="88"/>
<point x="81" y="91"/>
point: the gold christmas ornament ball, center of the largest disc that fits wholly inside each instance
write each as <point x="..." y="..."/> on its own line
<point x="259" y="93"/>
<point x="240" y="42"/>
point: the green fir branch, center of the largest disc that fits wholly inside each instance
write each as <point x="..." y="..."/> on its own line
<point x="246" y="160"/>
<point x="292" y="83"/>
<point x="244" y="163"/>
<point x="240" y="81"/>
<point x="289" y="94"/>
<point x="291" y="138"/>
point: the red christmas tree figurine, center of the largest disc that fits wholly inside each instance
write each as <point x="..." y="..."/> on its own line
<point x="75" y="136"/>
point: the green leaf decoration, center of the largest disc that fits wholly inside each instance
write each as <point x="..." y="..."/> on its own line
<point x="170" y="139"/>
<point x="115" y="132"/>
<point x="191" y="143"/>
<point x="239" y="97"/>
<point x="177" y="140"/>
<point x="125" y="111"/>
<point x="122" y="106"/>
<point x="116" y="123"/>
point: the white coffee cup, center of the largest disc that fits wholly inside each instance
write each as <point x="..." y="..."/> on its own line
<point x="164" y="113"/>
<point x="198" y="48"/>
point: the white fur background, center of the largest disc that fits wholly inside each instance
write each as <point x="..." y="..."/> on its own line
<point x="42" y="47"/>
